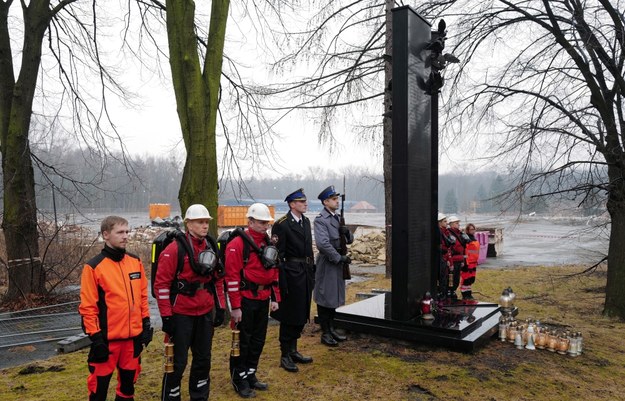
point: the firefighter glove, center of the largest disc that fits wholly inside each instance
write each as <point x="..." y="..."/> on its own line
<point x="345" y="259"/>
<point x="464" y="267"/>
<point x="148" y="332"/>
<point x="168" y="326"/>
<point x="99" y="348"/>
<point x="219" y="317"/>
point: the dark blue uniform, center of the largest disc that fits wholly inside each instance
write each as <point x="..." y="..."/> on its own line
<point x="294" y="243"/>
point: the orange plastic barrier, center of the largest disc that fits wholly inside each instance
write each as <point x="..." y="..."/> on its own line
<point x="232" y="216"/>
<point x="162" y="210"/>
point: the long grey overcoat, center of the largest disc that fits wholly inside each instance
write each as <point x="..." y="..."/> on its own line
<point x="329" y="284"/>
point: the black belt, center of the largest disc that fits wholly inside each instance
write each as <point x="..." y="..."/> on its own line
<point x="308" y="260"/>
<point x="250" y="285"/>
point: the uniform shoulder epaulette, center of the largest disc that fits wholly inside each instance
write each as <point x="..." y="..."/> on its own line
<point x="281" y="219"/>
<point x="96" y="260"/>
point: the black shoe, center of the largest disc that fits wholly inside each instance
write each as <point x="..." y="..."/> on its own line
<point x="255" y="384"/>
<point x="299" y="358"/>
<point x="467" y="296"/>
<point x="242" y="387"/>
<point x="327" y="339"/>
<point x="336" y="335"/>
<point x="287" y="363"/>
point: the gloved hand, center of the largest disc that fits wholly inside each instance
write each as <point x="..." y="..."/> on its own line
<point x="99" y="348"/>
<point x="345" y="259"/>
<point x="343" y="230"/>
<point x="147" y="333"/>
<point x="219" y="317"/>
<point x="168" y="326"/>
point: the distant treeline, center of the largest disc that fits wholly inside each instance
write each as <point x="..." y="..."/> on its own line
<point x="72" y="180"/>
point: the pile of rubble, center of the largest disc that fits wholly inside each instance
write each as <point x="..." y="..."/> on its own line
<point x="369" y="248"/>
<point x="145" y="235"/>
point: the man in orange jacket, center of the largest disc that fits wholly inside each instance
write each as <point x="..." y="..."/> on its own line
<point x="114" y="311"/>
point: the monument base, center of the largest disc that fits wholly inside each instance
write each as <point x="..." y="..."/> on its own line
<point x="459" y="326"/>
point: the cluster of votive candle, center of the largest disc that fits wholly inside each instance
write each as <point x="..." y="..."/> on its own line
<point x="532" y="335"/>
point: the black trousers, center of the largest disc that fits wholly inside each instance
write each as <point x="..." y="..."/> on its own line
<point x="325" y="317"/>
<point x="456" y="275"/>
<point x="253" y="332"/>
<point x="195" y="332"/>
<point x="289" y="333"/>
<point x="444" y="276"/>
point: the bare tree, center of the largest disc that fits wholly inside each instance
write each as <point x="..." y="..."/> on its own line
<point x="213" y="96"/>
<point x="553" y="108"/>
<point x="348" y="43"/>
<point x="72" y="53"/>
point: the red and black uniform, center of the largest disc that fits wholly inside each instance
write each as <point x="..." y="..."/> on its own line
<point x="187" y="315"/>
<point x="446" y="243"/>
<point x="457" y="255"/>
<point x="114" y="307"/>
<point x="472" y="252"/>
<point x="250" y="287"/>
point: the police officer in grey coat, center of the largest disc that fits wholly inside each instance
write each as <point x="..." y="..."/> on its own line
<point x="329" y="292"/>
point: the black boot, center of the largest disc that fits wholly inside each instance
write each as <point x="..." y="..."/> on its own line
<point x="326" y="337"/>
<point x="241" y="385"/>
<point x="335" y="334"/>
<point x="296" y="356"/>
<point x="467" y="295"/>
<point x="285" y="359"/>
<point x="255" y="384"/>
<point x="287" y="363"/>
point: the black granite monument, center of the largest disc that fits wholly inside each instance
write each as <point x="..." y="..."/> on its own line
<point x="416" y="83"/>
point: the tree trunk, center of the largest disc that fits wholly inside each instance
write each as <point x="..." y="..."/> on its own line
<point x="26" y="274"/>
<point x="615" y="286"/>
<point x="388" y="139"/>
<point x="197" y="98"/>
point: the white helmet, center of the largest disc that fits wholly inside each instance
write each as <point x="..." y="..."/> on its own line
<point x="197" y="211"/>
<point x="441" y="216"/>
<point x="453" y="219"/>
<point x="259" y="211"/>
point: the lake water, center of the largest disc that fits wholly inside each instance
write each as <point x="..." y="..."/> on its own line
<point x="530" y="241"/>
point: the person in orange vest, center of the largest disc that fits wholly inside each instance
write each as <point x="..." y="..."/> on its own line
<point x="114" y="312"/>
<point x="468" y="271"/>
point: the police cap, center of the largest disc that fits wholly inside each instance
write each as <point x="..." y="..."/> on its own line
<point x="329" y="192"/>
<point x="296" y="196"/>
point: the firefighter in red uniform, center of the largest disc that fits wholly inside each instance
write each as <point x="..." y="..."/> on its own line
<point x="468" y="272"/>
<point x="252" y="284"/>
<point x="446" y="265"/>
<point x="457" y="252"/>
<point x="186" y="298"/>
<point x="114" y="311"/>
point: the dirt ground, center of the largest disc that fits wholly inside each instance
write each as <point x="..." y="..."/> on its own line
<point x="376" y="368"/>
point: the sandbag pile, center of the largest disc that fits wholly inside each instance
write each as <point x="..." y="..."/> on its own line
<point x="369" y="248"/>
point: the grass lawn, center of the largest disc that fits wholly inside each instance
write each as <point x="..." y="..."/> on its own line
<point x="375" y="368"/>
